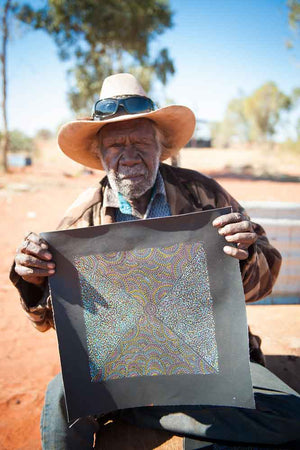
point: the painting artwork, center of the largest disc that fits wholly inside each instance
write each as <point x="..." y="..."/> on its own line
<point x="151" y="297"/>
<point x="149" y="313"/>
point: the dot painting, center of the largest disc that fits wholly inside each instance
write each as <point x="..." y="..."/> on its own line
<point x="148" y="312"/>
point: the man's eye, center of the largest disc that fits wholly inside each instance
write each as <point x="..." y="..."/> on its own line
<point x="115" y="145"/>
<point x="142" y="143"/>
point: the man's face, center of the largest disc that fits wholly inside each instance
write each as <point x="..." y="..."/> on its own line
<point x="130" y="155"/>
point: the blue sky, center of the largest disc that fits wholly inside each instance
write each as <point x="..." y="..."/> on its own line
<point x="220" y="49"/>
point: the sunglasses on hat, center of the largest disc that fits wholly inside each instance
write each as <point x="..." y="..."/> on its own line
<point x="133" y="104"/>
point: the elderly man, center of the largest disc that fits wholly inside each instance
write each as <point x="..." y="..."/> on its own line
<point x="129" y="138"/>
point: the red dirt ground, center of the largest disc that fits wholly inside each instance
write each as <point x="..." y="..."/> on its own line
<point x="29" y="359"/>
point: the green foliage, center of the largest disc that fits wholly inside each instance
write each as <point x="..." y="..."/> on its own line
<point x="263" y="109"/>
<point x="20" y="142"/>
<point x="295" y="96"/>
<point x="298" y="129"/>
<point x="294" y="21"/>
<point x="234" y="125"/>
<point x="294" y="14"/>
<point x="254" y="118"/>
<point x="44" y="134"/>
<point x="104" y="37"/>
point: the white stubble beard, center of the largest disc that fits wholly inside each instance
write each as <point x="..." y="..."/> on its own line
<point x="129" y="188"/>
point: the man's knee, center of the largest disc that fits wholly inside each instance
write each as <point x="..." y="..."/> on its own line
<point x="55" y="385"/>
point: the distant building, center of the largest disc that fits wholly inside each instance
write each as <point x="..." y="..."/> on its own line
<point x="18" y="160"/>
<point x="202" y="135"/>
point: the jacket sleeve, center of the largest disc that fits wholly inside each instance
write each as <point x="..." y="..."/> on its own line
<point x="260" y="270"/>
<point x="36" y="301"/>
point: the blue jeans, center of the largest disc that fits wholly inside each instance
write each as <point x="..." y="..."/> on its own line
<point x="55" y="431"/>
<point x="275" y="422"/>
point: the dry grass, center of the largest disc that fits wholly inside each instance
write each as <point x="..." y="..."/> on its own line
<point x="256" y="162"/>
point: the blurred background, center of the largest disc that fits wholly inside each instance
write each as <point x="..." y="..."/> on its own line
<point x="235" y="63"/>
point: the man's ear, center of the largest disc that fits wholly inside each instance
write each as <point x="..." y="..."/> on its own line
<point x="96" y="146"/>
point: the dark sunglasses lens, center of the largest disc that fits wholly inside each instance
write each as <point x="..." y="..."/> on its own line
<point x="106" y="107"/>
<point x="138" y="104"/>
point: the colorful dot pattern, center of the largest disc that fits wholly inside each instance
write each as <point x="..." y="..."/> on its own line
<point x="148" y="312"/>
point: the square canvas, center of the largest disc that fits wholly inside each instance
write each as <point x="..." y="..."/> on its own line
<point x="147" y="313"/>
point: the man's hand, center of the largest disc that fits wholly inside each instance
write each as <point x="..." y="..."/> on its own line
<point x="33" y="261"/>
<point x="236" y="229"/>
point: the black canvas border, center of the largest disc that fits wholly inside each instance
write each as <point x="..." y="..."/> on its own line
<point x="230" y="387"/>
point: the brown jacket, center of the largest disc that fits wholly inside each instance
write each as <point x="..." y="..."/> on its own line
<point x="187" y="191"/>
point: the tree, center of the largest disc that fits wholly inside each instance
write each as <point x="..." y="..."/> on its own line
<point x="263" y="109"/>
<point x="7" y="20"/>
<point x="295" y="96"/>
<point x="44" y="134"/>
<point x="20" y="142"/>
<point x="4" y="38"/>
<point x="103" y="37"/>
<point x="298" y="129"/>
<point x="254" y="118"/>
<point x="294" y="21"/>
<point x="234" y="126"/>
<point x="294" y="14"/>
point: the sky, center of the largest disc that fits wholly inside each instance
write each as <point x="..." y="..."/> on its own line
<point x="220" y="48"/>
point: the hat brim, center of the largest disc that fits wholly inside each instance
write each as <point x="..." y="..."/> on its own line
<point x="77" y="138"/>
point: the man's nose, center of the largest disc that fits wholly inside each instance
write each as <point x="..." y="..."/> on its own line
<point x="130" y="156"/>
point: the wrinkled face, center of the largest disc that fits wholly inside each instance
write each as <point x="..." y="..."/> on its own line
<point x="130" y="154"/>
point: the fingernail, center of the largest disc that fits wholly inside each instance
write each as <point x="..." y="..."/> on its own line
<point x="51" y="272"/>
<point x="216" y="222"/>
<point x="221" y="231"/>
<point x="51" y="265"/>
<point x="227" y="249"/>
<point x="44" y="246"/>
<point x="228" y="238"/>
<point x="48" y="255"/>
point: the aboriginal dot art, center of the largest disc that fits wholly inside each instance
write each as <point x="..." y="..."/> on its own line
<point x="148" y="312"/>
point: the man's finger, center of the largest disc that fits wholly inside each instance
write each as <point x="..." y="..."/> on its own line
<point x="237" y="253"/>
<point x="228" y="218"/>
<point x="36" y="250"/>
<point x="35" y="238"/>
<point x="33" y="272"/>
<point x="242" y="238"/>
<point x="23" y="259"/>
<point x="233" y="228"/>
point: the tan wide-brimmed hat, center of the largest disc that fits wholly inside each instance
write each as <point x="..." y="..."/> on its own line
<point x="78" y="138"/>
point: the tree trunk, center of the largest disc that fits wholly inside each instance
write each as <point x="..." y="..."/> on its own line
<point x="175" y="160"/>
<point x="5" y="143"/>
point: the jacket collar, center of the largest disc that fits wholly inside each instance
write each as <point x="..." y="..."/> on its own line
<point x="178" y="196"/>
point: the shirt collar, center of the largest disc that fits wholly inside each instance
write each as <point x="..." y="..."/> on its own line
<point x="114" y="199"/>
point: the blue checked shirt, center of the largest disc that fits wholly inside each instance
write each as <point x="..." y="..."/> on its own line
<point x="158" y="205"/>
